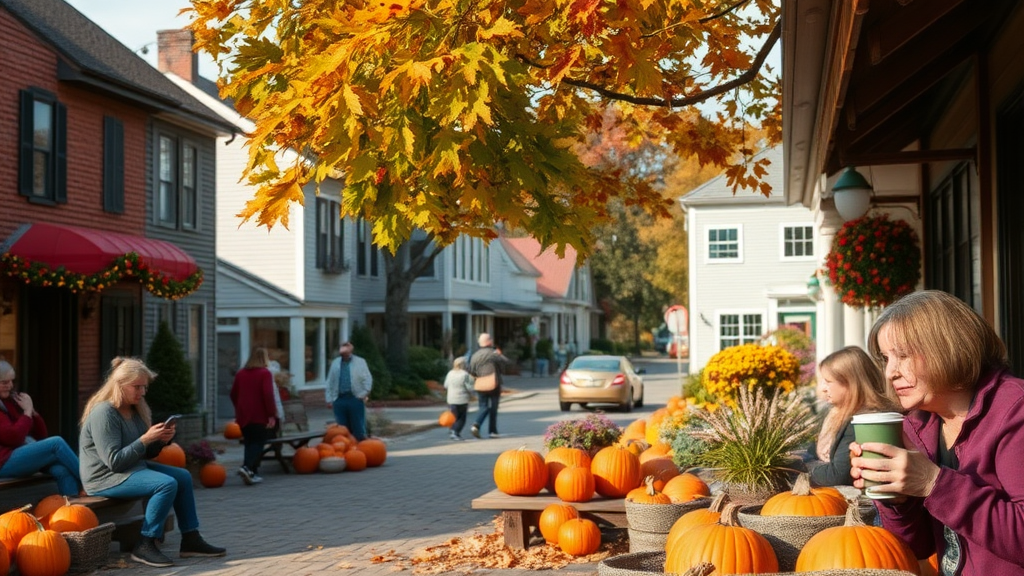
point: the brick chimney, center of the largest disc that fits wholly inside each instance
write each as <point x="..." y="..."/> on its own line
<point x="174" y="54"/>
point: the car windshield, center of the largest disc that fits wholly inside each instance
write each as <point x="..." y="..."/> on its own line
<point x="595" y="364"/>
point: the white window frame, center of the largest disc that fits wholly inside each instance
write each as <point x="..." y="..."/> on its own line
<point x="743" y="339"/>
<point x="782" y="242"/>
<point x="471" y="260"/>
<point x="707" y="244"/>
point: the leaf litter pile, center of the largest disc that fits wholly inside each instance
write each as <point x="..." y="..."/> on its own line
<point x="489" y="551"/>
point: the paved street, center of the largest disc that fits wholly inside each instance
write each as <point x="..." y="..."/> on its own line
<point x="326" y="523"/>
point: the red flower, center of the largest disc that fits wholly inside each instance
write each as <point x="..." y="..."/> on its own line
<point x="869" y="248"/>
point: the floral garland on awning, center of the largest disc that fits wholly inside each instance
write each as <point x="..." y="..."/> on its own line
<point x="131" y="265"/>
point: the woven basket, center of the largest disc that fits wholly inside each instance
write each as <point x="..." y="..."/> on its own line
<point x="788" y="534"/>
<point x="89" y="548"/>
<point x="640" y="541"/>
<point x="660" y="517"/>
<point x="648" y="563"/>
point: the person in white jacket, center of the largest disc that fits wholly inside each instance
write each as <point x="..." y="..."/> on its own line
<point x="348" y="387"/>
<point x="459" y="384"/>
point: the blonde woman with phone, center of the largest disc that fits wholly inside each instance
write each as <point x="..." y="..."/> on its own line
<point x="25" y="446"/>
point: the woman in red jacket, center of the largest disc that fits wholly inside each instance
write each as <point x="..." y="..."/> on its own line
<point x="24" y="446"/>
<point x="252" y="393"/>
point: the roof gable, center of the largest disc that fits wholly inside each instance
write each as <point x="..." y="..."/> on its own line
<point x="556" y="273"/>
<point x="718" y="191"/>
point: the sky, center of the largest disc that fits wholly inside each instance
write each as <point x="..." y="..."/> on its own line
<point x="135" y="23"/>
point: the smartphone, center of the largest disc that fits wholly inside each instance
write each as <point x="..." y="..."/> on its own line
<point x="171" y="419"/>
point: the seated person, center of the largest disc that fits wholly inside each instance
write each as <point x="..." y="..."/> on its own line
<point x="24" y="446"/>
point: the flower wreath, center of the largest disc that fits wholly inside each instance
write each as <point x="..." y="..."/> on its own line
<point x="874" y="261"/>
<point x="131" y="265"/>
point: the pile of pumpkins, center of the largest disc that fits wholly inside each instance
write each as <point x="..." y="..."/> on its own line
<point x="338" y="451"/>
<point x="211" y="474"/>
<point x="31" y="537"/>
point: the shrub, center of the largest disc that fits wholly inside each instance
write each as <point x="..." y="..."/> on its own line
<point x="365" y="347"/>
<point x="408" y="386"/>
<point x="427" y="363"/>
<point x="173" y="391"/>
<point x="546" y="349"/>
<point x="594" y="431"/>
<point x="602" y="345"/>
<point x="800" y="345"/>
<point x="749" y="366"/>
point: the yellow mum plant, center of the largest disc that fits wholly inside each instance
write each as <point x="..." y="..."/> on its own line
<point x="750" y="366"/>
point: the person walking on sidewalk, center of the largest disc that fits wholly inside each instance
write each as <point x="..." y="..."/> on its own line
<point x="252" y="393"/>
<point x="459" y="384"/>
<point x="116" y="442"/>
<point x="348" y="387"/>
<point x="486" y="361"/>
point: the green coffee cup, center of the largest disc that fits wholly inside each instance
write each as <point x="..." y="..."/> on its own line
<point x="882" y="427"/>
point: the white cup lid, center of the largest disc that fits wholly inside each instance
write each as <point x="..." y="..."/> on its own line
<point x="878" y="418"/>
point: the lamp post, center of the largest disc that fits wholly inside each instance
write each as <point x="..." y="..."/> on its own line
<point x="852" y="195"/>
<point x="813" y="288"/>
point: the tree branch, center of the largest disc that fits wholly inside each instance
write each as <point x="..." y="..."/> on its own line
<point x="728" y="10"/>
<point x="749" y="75"/>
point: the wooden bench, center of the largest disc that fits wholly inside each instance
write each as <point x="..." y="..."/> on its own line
<point x="126" y="514"/>
<point x="274" y="447"/>
<point x="521" y="513"/>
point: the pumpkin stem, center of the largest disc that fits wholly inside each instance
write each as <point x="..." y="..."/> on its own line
<point x="719" y="502"/>
<point x="853" y="517"/>
<point x="802" y="486"/>
<point x="702" y="569"/>
<point x="649" y="481"/>
<point x="730" y="514"/>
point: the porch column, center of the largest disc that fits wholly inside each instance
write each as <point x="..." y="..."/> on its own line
<point x="853" y="327"/>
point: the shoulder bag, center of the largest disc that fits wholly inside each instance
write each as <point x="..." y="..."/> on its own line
<point x="485" y="383"/>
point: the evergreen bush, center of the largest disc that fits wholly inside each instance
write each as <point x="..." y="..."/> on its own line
<point x="173" y="391"/>
<point x="427" y="363"/>
<point x="366" y="348"/>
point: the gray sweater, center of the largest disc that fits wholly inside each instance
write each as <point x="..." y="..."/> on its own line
<point x="110" y="449"/>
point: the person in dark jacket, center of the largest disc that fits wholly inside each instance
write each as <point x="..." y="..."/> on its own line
<point x="486" y="361"/>
<point x="252" y="393"/>
<point x="851" y="383"/>
<point x="959" y="482"/>
<point x="25" y="446"/>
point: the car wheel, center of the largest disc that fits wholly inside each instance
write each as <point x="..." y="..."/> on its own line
<point x="565" y="406"/>
<point x="639" y="401"/>
<point x="628" y="406"/>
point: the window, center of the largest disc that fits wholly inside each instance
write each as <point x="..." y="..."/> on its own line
<point x="366" y="251"/>
<point x="798" y="242"/>
<point x="177" y="183"/>
<point x="736" y="329"/>
<point x="471" y="260"/>
<point x="113" y="165"/>
<point x="42" y="170"/>
<point x="312" y="350"/>
<point x="723" y="244"/>
<point x="274" y="334"/>
<point x="952" y="236"/>
<point x="330" y="246"/>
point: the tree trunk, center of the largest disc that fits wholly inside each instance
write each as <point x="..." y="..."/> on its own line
<point x="402" y="268"/>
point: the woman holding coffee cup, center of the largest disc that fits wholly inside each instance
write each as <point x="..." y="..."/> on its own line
<point x="959" y="486"/>
<point x="852" y="384"/>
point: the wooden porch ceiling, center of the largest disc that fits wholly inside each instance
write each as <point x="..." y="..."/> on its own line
<point x="908" y="50"/>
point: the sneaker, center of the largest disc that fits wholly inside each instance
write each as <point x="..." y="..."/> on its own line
<point x="256" y="479"/>
<point x="192" y="544"/>
<point x="494" y="435"/>
<point x="247" y="476"/>
<point x="457" y="438"/>
<point x="453" y="436"/>
<point x="475" y="430"/>
<point x="146" y="552"/>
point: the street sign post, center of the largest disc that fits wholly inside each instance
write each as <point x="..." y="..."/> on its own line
<point x="677" y="320"/>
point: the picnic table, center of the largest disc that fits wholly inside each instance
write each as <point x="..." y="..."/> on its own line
<point x="520" y="513"/>
<point x="274" y="447"/>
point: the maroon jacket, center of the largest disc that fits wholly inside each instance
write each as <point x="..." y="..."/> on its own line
<point x="982" y="501"/>
<point x="252" y="394"/>
<point x="15" y="426"/>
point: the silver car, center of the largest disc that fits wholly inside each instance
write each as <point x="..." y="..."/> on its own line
<point x="601" y="380"/>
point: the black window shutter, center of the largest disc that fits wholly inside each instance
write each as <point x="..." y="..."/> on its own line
<point x="113" y="165"/>
<point x="26" y="148"/>
<point x="60" y="180"/>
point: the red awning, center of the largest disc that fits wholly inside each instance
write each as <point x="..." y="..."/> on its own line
<point x="88" y="251"/>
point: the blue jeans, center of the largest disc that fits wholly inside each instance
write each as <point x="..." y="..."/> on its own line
<point x="350" y="412"/>
<point x="165" y="486"/>
<point x="460" y="411"/>
<point x="50" y="454"/>
<point x="488" y="405"/>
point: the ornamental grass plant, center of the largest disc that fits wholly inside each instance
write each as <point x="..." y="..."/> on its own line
<point x="593" y="432"/>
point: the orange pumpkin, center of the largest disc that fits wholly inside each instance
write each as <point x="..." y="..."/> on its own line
<point x="325" y="450"/>
<point x="929" y="566"/>
<point x="43" y="553"/>
<point x="686" y="487"/>
<point x="552" y="518"/>
<point x="446" y="419"/>
<point x="376" y="451"/>
<point x="14" y="525"/>
<point x="232" y="431"/>
<point x="660" y="469"/>
<point x="655" y="451"/>
<point x="855" y="545"/>
<point x="654" y="424"/>
<point x="579" y="537"/>
<point x="575" y="484"/>
<point x="171" y="455"/>
<point x="306" y="460"/>
<point x="805" y="501"/>
<point x="698" y="517"/>
<point x="732" y="548"/>
<point x="616" y="472"/>
<point x="562" y="457"/>
<point x="212" y="475"/>
<point x="73" y="518"/>
<point x="520" y="472"/>
<point x="355" y="460"/>
<point x="335" y="430"/>
<point x="45" y="507"/>
<point x="647" y="494"/>
<point x="5" y="561"/>
<point x="635" y="430"/>
<point x="637" y="447"/>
